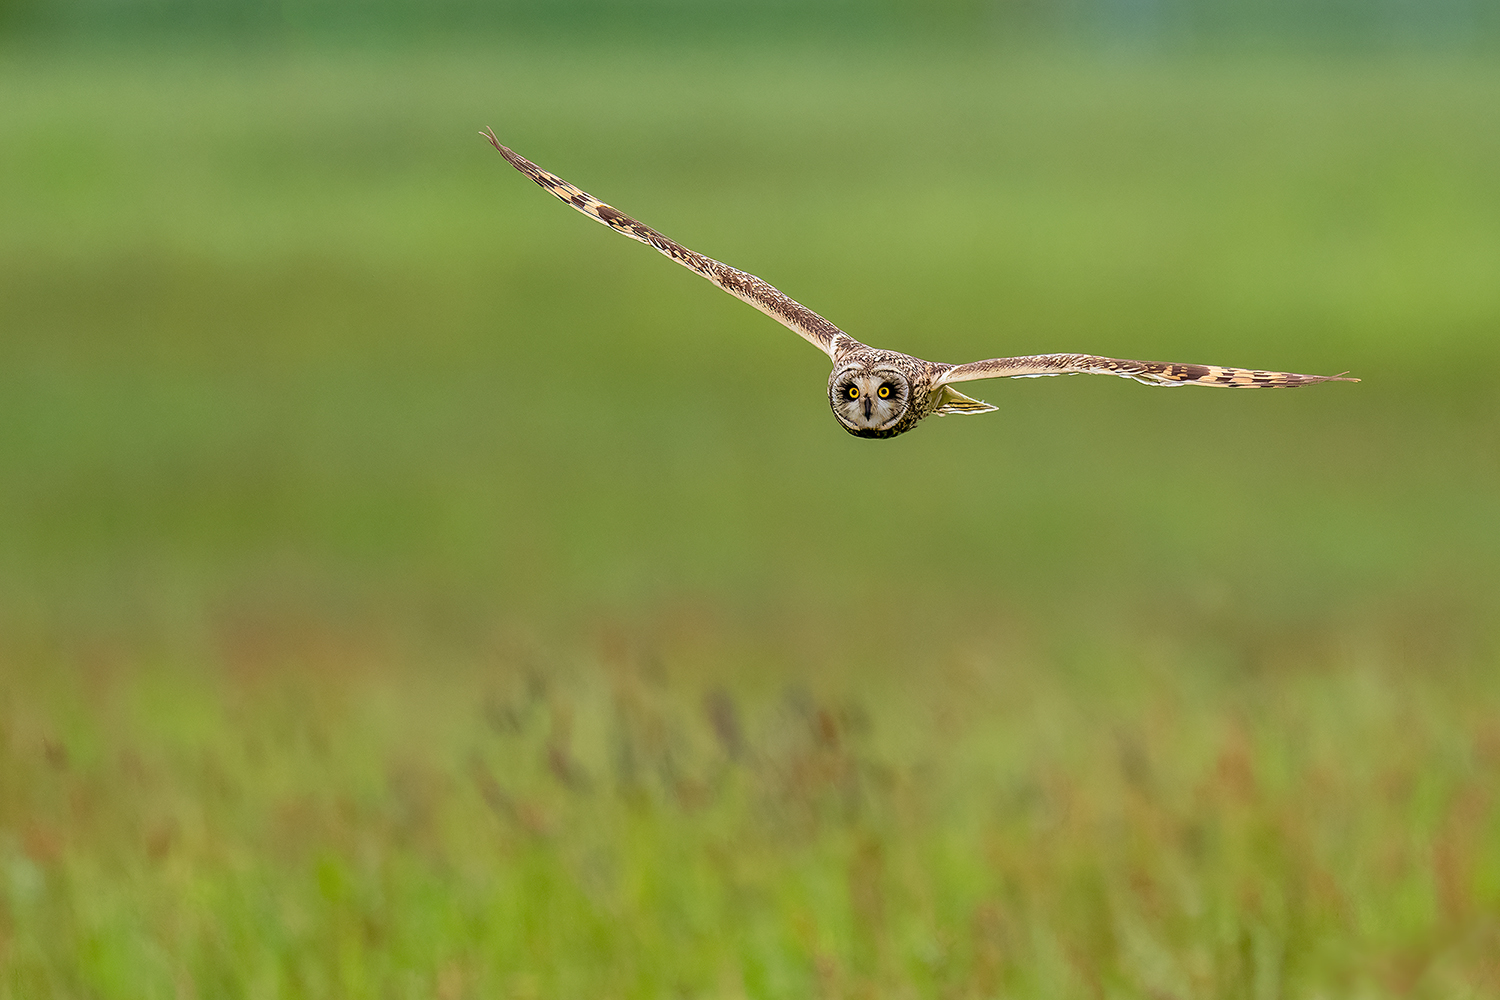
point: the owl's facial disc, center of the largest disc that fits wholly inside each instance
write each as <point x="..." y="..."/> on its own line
<point x="868" y="401"/>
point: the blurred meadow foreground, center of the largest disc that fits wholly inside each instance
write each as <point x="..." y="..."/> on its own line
<point x="409" y="588"/>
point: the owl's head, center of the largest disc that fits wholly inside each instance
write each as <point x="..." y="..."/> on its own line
<point x="869" y="400"/>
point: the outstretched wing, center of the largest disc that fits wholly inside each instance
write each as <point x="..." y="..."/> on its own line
<point x="1148" y="372"/>
<point x="746" y="287"/>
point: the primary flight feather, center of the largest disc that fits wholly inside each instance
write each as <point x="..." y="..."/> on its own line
<point x="879" y="394"/>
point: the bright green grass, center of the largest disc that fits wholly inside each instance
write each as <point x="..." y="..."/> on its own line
<point x="408" y="587"/>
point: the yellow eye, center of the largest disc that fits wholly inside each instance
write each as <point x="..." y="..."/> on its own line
<point x="854" y="392"/>
<point x="885" y="391"/>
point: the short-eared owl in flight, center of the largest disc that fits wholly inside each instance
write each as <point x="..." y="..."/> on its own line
<point x="879" y="394"/>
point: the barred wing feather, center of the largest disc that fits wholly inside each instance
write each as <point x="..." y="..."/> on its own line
<point x="1147" y="372"/>
<point x="746" y="287"/>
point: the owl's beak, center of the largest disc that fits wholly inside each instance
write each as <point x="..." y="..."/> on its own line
<point x="869" y="407"/>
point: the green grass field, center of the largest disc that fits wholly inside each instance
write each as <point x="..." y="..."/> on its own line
<point x="410" y="588"/>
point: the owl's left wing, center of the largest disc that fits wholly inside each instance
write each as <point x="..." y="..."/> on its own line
<point x="1148" y="372"/>
<point x="746" y="287"/>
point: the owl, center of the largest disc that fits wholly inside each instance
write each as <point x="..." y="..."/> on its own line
<point x="879" y="394"/>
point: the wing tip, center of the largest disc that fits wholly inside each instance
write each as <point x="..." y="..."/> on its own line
<point x="504" y="150"/>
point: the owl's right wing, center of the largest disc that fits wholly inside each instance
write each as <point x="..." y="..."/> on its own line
<point x="746" y="287"/>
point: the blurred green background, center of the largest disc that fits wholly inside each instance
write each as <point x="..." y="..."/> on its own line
<point x="410" y="588"/>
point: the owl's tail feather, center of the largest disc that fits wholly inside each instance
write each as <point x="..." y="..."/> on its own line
<point x="953" y="401"/>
